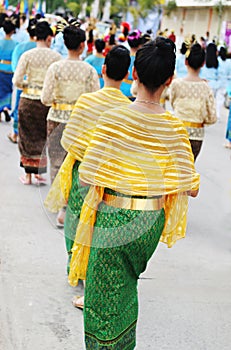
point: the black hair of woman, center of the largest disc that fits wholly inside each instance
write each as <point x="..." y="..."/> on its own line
<point x="183" y="48"/>
<point x="117" y="62"/>
<point x="2" y="18"/>
<point x="196" y="57"/>
<point x="31" y="29"/>
<point x="134" y="39"/>
<point x="155" y="63"/>
<point x="8" y="25"/>
<point x="223" y="53"/>
<point x="100" y="45"/>
<point x="43" y="30"/>
<point x="73" y="36"/>
<point x="146" y="37"/>
<point x="211" y="56"/>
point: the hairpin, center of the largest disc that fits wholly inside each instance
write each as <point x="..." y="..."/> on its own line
<point x="63" y="24"/>
<point x="136" y="35"/>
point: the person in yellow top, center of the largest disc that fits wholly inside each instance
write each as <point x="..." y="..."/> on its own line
<point x="140" y="169"/>
<point x="77" y="135"/>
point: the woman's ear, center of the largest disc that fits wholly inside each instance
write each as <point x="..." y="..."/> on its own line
<point x="134" y="74"/>
<point x="103" y="70"/>
<point x="168" y="81"/>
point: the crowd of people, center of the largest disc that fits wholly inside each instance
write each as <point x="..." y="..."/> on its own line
<point x="121" y="166"/>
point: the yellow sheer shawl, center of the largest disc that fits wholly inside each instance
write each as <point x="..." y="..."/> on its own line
<point x="141" y="155"/>
<point x="76" y="137"/>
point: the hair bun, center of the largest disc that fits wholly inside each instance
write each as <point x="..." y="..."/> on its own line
<point x="164" y="45"/>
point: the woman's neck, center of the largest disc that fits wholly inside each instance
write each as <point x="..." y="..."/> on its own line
<point x="42" y="44"/>
<point x="73" y="55"/>
<point x="193" y="74"/>
<point x="8" y="36"/>
<point x="99" y="54"/>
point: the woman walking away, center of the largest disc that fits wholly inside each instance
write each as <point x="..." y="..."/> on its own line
<point x="209" y="71"/>
<point x="140" y="169"/>
<point x="224" y="79"/>
<point x="32" y="113"/>
<point x="7" y="46"/>
<point x="65" y="81"/>
<point x="192" y="99"/>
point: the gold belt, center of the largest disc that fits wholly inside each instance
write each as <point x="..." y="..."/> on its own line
<point x="5" y="61"/>
<point x="63" y="106"/>
<point x="127" y="81"/>
<point x="32" y="91"/>
<point x="193" y="125"/>
<point x="134" y="203"/>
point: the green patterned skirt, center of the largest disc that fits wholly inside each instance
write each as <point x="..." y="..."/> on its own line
<point x="123" y="242"/>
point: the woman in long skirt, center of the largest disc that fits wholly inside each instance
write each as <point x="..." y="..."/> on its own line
<point x="32" y="113"/>
<point x="140" y="169"/>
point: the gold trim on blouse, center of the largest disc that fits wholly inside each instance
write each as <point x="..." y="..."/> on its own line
<point x="63" y="106"/>
<point x="193" y="125"/>
<point x="32" y="91"/>
<point x="127" y="81"/>
<point x="5" y="61"/>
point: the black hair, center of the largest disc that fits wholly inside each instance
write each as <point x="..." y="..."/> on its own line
<point x="223" y="53"/>
<point x="196" y="57"/>
<point x="32" y="27"/>
<point x="8" y="25"/>
<point x="155" y="62"/>
<point x="211" y="56"/>
<point x="15" y="19"/>
<point x="117" y="62"/>
<point x="90" y="36"/>
<point x="134" y="39"/>
<point x="43" y="30"/>
<point x="2" y="18"/>
<point x="23" y="17"/>
<point x="183" y="48"/>
<point x="38" y="16"/>
<point x="99" y="45"/>
<point x="73" y="36"/>
<point x="145" y="38"/>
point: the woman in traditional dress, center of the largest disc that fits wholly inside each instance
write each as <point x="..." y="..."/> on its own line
<point x="96" y="60"/>
<point x="7" y="46"/>
<point x="76" y="137"/>
<point x="192" y="99"/>
<point x="32" y="113"/>
<point x="65" y="81"/>
<point x="224" y="79"/>
<point x="209" y="71"/>
<point x="140" y="169"/>
<point x="134" y="42"/>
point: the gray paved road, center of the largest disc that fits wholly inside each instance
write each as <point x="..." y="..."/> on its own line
<point x="185" y="294"/>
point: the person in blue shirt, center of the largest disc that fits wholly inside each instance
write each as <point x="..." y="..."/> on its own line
<point x="224" y="79"/>
<point x="17" y="53"/>
<point x="209" y="71"/>
<point x="7" y="46"/>
<point x="96" y="60"/>
<point x="134" y="42"/>
<point x="181" y="69"/>
<point x="21" y="34"/>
